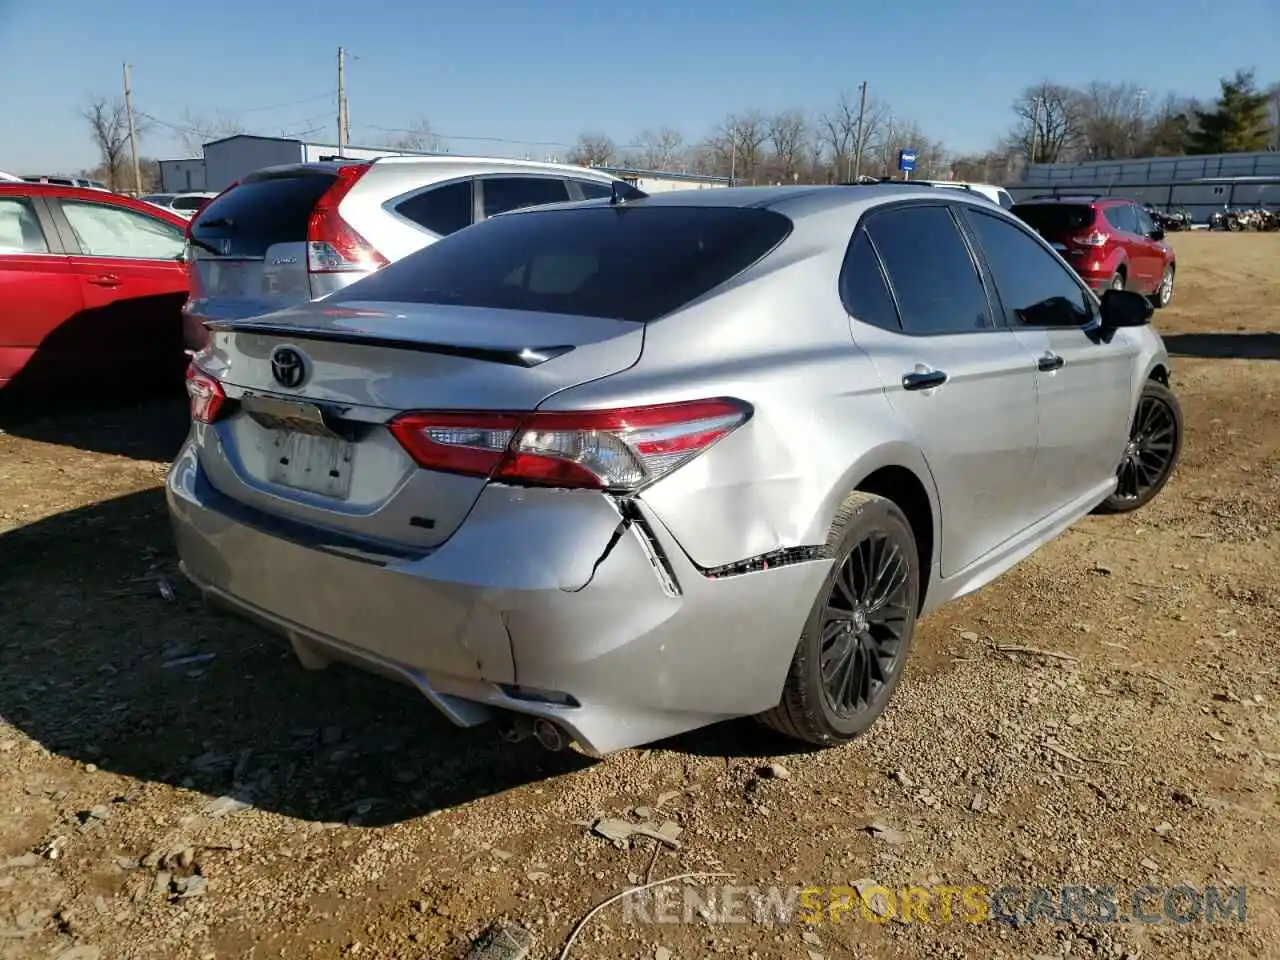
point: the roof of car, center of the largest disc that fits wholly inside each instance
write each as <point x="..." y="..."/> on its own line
<point x="1073" y="199"/>
<point x="87" y="193"/>
<point x="792" y="200"/>
<point x="482" y="164"/>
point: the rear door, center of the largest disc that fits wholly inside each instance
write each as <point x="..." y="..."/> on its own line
<point x="1153" y="250"/>
<point x="248" y="254"/>
<point x="1084" y="381"/>
<point x="1123" y="218"/>
<point x="132" y="279"/>
<point x="39" y="292"/>
<point x="962" y="384"/>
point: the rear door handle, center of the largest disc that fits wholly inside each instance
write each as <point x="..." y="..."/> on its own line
<point x="106" y="280"/>
<point x="923" y="379"/>
<point x="1050" y="361"/>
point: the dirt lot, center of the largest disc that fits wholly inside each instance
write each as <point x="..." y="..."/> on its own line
<point x="1144" y="750"/>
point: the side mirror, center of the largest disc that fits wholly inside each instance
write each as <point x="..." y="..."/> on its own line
<point x="1124" y="308"/>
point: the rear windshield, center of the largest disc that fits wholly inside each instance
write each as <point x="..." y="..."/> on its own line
<point x="261" y="213"/>
<point x="1054" y="219"/>
<point x="627" y="263"/>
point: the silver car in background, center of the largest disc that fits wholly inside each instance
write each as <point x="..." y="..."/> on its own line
<point x="286" y="234"/>
<point x="616" y="470"/>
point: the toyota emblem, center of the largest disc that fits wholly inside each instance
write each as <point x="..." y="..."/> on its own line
<point x="288" y="367"/>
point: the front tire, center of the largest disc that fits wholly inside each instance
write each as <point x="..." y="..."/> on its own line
<point x="1164" y="292"/>
<point x="855" y="643"/>
<point x="1151" y="455"/>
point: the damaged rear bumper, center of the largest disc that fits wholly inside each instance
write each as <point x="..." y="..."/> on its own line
<point x="564" y="605"/>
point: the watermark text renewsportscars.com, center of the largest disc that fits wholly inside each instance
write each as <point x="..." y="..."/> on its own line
<point x="936" y="904"/>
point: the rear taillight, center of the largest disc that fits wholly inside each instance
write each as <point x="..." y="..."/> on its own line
<point x="332" y="245"/>
<point x="601" y="449"/>
<point x="206" y="393"/>
<point x="1095" y="238"/>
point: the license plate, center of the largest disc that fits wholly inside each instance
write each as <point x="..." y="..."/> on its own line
<point x="228" y="278"/>
<point x="316" y="464"/>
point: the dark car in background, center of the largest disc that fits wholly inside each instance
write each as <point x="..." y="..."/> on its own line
<point x="1112" y="243"/>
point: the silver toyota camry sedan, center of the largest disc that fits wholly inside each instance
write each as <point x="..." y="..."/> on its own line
<point x="611" y="470"/>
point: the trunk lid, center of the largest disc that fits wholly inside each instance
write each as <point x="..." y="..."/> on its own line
<point x="314" y="446"/>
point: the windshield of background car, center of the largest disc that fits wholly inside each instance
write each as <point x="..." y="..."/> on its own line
<point x="625" y="263"/>
<point x="1054" y="219"/>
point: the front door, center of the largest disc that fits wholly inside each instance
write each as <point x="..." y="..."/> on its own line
<point x="962" y="385"/>
<point x="1084" y="383"/>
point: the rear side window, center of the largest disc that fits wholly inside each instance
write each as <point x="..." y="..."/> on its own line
<point x="1122" y="218"/>
<point x="636" y="263"/>
<point x="105" y="230"/>
<point x="187" y="203"/>
<point x="1054" y="219"/>
<point x="20" y="228"/>
<point x="442" y="210"/>
<point x="511" y="193"/>
<point x="258" y="214"/>
<point x="1004" y="199"/>
<point x="863" y="289"/>
<point x="930" y="270"/>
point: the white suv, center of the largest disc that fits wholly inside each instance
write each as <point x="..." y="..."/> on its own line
<point x="284" y="235"/>
<point x="992" y="192"/>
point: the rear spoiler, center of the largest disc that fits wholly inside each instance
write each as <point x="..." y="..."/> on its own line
<point x="511" y="356"/>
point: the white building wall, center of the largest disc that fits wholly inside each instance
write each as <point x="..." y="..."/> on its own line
<point x="182" y="176"/>
<point x="226" y="161"/>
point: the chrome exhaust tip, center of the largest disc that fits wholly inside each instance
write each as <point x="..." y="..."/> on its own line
<point x="549" y="735"/>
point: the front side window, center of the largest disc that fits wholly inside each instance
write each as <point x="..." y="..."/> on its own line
<point x="20" y="227"/>
<point x="1035" y="288"/>
<point x="932" y="274"/>
<point x="103" y="230"/>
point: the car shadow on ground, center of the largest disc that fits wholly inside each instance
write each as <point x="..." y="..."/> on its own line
<point x="1221" y="346"/>
<point x="98" y="666"/>
<point x="148" y="422"/>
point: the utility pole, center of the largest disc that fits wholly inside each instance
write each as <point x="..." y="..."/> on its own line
<point x="1035" y="127"/>
<point x="133" y="132"/>
<point x="343" y="123"/>
<point x="857" y="147"/>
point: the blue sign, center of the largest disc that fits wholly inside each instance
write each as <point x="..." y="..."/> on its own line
<point x="906" y="160"/>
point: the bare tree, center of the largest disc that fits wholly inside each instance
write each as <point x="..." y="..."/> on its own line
<point x="195" y="130"/>
<point x="109" y="126"/>
<point x="838" y="132"/>
<point x="417" y="138"/>
<point x="788" y="135"/>
<point x="1048" y="127"/>
<point x="1112" y="119"/>
<point x="661" y="149"/>
<point x="593" y="150"/>
<point x="738" y="145"/>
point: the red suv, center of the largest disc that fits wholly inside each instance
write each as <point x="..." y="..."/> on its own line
<point x="89" y="281"/>
<point x="1109" y="242"/>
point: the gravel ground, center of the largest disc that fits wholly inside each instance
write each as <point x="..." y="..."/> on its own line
<point x="173" y="785"/>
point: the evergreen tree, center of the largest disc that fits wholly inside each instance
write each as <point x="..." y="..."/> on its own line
<point x="1238" y="122"/>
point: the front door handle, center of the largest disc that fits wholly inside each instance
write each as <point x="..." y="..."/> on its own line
<point x="923" y="379"/>
<point x="1050" y="361"/>
<point x="106" y="280"/>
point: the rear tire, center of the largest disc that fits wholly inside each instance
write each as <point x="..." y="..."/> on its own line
<point x="1151" y="456"/>
<point x="855" y="643"/>
<point x="1117" y="280"/>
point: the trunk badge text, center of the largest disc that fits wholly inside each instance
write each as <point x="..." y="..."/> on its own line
<point x="288" y="367"/>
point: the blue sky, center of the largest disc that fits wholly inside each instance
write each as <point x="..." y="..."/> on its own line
<point x="547" y="71"/>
